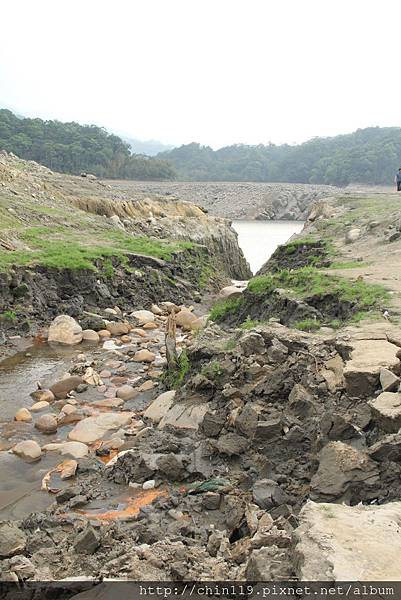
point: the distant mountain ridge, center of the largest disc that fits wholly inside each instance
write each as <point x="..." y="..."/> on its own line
<point x="148" y="147"/>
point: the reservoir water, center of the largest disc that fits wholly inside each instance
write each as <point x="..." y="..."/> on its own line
<point x="259" y="239"/>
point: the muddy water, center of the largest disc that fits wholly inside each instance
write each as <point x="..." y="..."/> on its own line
<point x="20" y="481"/>
<point x="20" y="373"/>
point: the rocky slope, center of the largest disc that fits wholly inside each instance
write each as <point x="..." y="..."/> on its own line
<point x="248" y="201"/>
<point x="267" y="453"/>
<point x="71" y="244"/>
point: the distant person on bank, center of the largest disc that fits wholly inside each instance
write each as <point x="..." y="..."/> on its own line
<point x="398" y="180"/>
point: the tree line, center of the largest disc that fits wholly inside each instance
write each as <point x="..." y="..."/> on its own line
<point x="369" y="156"/>
<point x="74" y="148"/>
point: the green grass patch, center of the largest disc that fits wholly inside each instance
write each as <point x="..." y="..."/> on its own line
<point x="213" y="370"/>
<point x="308" y="282"/>
<point x="352" y="264"/>
<point x="67" y="248"/>
<point x="8" y="315"/>
<point x="249" y="323"/>
<point x="222" y="308"/>
<point x="307" y="325"/>
<point x="174" y="378"/>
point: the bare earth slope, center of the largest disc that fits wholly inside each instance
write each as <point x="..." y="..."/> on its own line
<point x="242" y="200"/>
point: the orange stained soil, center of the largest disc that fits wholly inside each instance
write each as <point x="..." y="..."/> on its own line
<point x="142" y="498"/>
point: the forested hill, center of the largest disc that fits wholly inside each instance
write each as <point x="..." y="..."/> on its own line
<point x="368" y="156"/>
<point x="73" y="148"/>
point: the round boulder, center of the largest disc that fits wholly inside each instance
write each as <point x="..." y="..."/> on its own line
<point x="46" y="423"/>
<point x="29" y="450"/>
<point x="24" y="415"/>
<point x="90" y="336"/>
<point x="65" y="330"/>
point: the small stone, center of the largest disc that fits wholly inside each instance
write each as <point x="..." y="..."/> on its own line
<point x="268" y="429"/>
<point x="156" y="310"/>
<point x="126" y="392"/>
<point x="144" y="356"/>
<point x="23" y="415"/>
<point x="42" y="396"/>
<point x="117" y="328"/>
<point x="267" y="494"/>
<point x="386" y="411"/>
<point x="29" y="450"/>
<point x="104" y="333"/>
<point x="38" y="406"/>
<point x="146" y="386"/>
<point x="62" y="388"/>
<point x="90" y="336"/>
<point x="150" y="326"/>
<point x="352" y="235"/>
<point x="68" y="409"/>
<point x="211" y="501"/>
<point x="126" y="339"/>
<point x="139" y="332"/>
<point x="67" y="494"/>
<point x="388" y="380"/>
<point x="68" y="469"/>
<point x="78" y="501"/>
<point x="74" y="449"/>
<point x="12" y="540"/>
<point x="87" y="542"/>
<point x="46" y="423"/>
<point x="149" y="485"/>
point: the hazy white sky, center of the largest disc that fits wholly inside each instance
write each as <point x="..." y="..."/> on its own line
<point x="214" y="71"/>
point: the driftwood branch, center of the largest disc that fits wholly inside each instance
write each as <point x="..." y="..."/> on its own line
<point x="171" y="342"/>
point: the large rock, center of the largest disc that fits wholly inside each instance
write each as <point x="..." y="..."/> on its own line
<point x="183" y="416"/>
<point x="160" y="406"/>
<point x="62" y="388"/>
<point x="341" y="468"/>
<point x="185" y="319"/>
<point x="386" y="411"/>
<point x="362" y="371"/>
<point x="143" y="316"/>
<point x="46" y="423"/>
<point x="65" y="330"/>
<point x="29" y="450"/>
<point x="231" y="291"/>
<point x="94" y="428"/>
<point x="12" y="540"/>
<point x="343" y="543"/>
<point x="74" y="449"/>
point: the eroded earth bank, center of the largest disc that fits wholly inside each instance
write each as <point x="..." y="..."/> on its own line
<point x="270" y="451"/>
